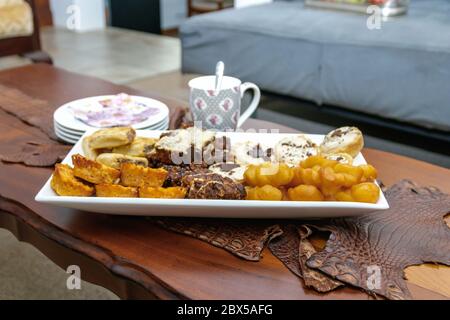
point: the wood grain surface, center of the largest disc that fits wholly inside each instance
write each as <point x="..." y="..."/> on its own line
<point x="136" y="259"/>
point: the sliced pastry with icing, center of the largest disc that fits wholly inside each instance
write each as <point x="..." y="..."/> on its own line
<point x="250" y="152"/>
<point x="344" y="158"/>
<point x="293" y="150"/>
<point x="230" y="170"/>
<point x="343" y="140"/>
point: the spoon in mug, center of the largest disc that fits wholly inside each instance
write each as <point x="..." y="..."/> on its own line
<point x="220" y="68"/>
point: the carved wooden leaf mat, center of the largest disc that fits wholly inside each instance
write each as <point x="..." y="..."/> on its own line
<point x="36" y="154"/>
<point x="34" y="112"/>
<point x="39" y="114"/>
<point x="369" y="252"/>
<point x="411" y="232"/>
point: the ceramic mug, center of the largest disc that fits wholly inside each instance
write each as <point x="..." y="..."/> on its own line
<point x="221" y="110"/>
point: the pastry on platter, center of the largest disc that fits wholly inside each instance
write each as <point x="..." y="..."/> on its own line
<point x="175" y="174"/>
<point x="212" y="186"/>
<point x="230" y="170"/>
<point x="196" y="164"/>
<point x="250" y="152"/>
<point x="367" y="192"/>
<point x="274" y="174"/>
<point x="181" y="147"/>
<point x="115" y="160"/>
<point x="292" y="150"/>
<point x="343" y="140"/>
<point x="218" y="151"/>
<point x="111" y="137"/>
<point x="64" y="183"/>
<point x="115" y="191"/>
<point x="88" y="151"/>
<point x="138" y="148"/>
<point x="305" y="193"/>
<point x="162" y="193"/>
<point x="132" y="175"/>
<point x="339" y="157"/>
<point x="93" y="171"/>
<point x="266" y="193"/>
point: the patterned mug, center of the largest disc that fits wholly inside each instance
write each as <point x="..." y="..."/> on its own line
<point x="221" y="110"/>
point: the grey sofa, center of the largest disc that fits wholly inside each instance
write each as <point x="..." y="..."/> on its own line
<point x="400" y="72"/>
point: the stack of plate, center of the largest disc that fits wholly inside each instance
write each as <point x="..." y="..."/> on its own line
<point x="70" y="129"/>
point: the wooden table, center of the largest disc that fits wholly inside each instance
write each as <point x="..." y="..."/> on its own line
<point x="134" y="258"/>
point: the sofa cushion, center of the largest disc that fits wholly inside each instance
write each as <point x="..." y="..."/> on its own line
<point x="401" y="71"/>
<point x="15" y="19"/>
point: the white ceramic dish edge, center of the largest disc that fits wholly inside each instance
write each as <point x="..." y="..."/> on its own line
<point x="211" y="208"/>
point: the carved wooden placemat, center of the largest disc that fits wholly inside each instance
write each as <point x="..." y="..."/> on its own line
<point x="372" y="251"/>
<point x="36" y="154"/>
<point x="243" y="239"/>
<point x="293" y="248"/>
<point x="369" y="252"/>
<point x="34" y="112"/>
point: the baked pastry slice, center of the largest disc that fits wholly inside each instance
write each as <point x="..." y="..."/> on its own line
<point x="138" y="148"/>
<point x="112" y="137"/>
<point x="162" y="193"/>
<point x="132" y="175"/>
<point x="343" y="140"/>
<point x="93" y="171"/>
<point x="64" y="183"/>
<point x="294" y="149"/>
<point x="115" y="191"/>
<point x="115" y="160"/>
<point x="88" y="151"/>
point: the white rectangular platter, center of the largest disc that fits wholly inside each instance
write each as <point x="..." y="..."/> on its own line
<point x="213" y="208"/>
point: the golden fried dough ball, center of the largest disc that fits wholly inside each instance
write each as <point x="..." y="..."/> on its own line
<point x="345" y="195"/>
<point x="369" y="173"/>
<point x="250" y="175"/>
<point x="356" y="172"/>
<point x="317" y="178"/>
<point x="348" y="175"/>
<point x="162" y="193"/>
<point x="305" y="193"/>
<point x="308" y="176"/>
<point x="297" y="177"/>
<point x="115" y="191"/>
<point x="132" y="175"/>
<point x="318" y="161"/>
<point x="274" y="174"/>
<point x="284" y="192"/>
<point x="266" y="192"/>
<point x="331" y="183"/>
<point x="93" y="171"/>
<point x="365" y="192"/>
<point x="311" y="176"/>
<point x="64" y="183"/>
